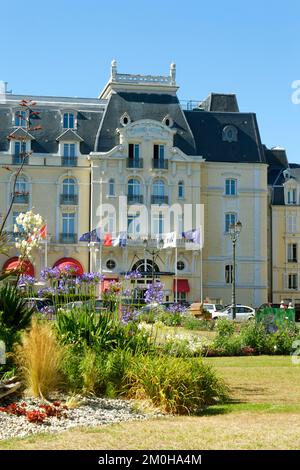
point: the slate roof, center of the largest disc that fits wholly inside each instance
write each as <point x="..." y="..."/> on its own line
<point x="144" y="106"/>
<point x="89" y="115"/>
<point x="207" y="128"/>
<point x="220" y="102"/>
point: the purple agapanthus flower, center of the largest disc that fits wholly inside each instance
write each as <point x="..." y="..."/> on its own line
<point x="177" y="308"/>
<point x="90" y="278"/>
<point x="154" y="293"/>
<point x="133" y="275"/>
<point x="129" y="316"/>
<point x="50" y="273"/>
<point x="26" y="280"/>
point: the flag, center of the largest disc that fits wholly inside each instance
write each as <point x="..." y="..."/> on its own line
<point x="43" y="231"/>
<point x="107" y="239"/>
<point x="121" y="240"/>
<point x="169" y="240"/>
<point x="194" y="237"/>
<point x="92" y="236"/>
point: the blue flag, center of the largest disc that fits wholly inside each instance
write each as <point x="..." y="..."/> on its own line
<point x="121" y="240"/>
<point x="93" y="236"/>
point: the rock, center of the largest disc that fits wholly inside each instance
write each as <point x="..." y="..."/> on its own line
<point x="8" y="389"/>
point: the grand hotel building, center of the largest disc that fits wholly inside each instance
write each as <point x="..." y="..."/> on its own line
<point x="136" y="140"/>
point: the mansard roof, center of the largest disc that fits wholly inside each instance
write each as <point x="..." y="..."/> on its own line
<point x="208" y="126"/>
<point x="89" y="113"/>
<point x="139" y="106"/>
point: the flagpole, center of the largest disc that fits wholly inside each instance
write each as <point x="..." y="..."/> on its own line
<point x="46" y="250"/>
<point x="100" y="269"/>
<point x="201" y="273"/>
<point x="176" y="283"/>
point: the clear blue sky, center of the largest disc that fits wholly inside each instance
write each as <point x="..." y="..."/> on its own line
<point x="252" y="49"/>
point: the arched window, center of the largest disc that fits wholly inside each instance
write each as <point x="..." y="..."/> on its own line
<point x="111" y="187"/>
<point x="69" y="191"/>
<point x="181" y="190"/>
<point x="134" y="191"/>
<point x="159" y="192"/>
<point x="230" y="134"/>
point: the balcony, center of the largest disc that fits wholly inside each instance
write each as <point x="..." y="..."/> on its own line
<point x="66" y="238"/>
<point x="69" y="161"/>
<point x="69" y="199"/>
<point x="160" y="164"/>
<point x="135" y="199"/>
<point x="21" y="198"/>
<point x="135" y="163"/>
<point x="18" y="159"/>
<point x="159" y="199"/>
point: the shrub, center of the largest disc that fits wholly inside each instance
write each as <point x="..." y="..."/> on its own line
<point x="179" y="386"/>
<point x="192" y="323"/>
<point x="39" y="356"/>
<point x="89" y="371"/>
<point x="101" y="332"/>
<point x="14" y="315"/>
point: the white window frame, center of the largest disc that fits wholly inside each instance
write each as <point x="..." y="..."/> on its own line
<point x="231" y="184"/>
<point x="232" y="221"/>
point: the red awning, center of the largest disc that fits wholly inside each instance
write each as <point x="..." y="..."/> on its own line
<point x="65" y="264"/>
<point x="106" y="282"/>
<point x="14" y="264"/>
<point x="182" y="285"/>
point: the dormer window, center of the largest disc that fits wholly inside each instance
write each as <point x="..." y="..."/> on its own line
<point x="20" y="119"/>
<point x="167" y="121"/>
<point x="230" y="134"/>
<point x="292" y="196"/>
<point x="69" y="121"/>
<point x="125" y="119"/>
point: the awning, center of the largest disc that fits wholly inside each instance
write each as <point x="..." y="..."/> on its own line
<point x="14" y="264"/>
<point x="70" y="265"/>
<point x="107" y="281"/>
<point x="182" y="285"/>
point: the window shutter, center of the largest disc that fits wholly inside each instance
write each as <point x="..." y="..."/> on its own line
<point x="285" y="281"/>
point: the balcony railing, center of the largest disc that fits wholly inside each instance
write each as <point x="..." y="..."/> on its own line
<point x="68" y="238"/>
<point x="69" y="161"/>
<point x="69" y="199"/>
<point x="159" y="199"/>
<point x="160" y="164"/>
<point x="135" y="163"/>
<point x="20" y="198"/>
<point x="18" y="159"/>
<point x="135" y="199"/>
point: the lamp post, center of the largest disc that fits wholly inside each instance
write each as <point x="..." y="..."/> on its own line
<point x="153" y="253"/>
<point x="234" y="232"/>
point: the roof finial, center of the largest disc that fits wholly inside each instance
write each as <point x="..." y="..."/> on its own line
<point x="173" y="73"/>
<point x="113" y="69"/>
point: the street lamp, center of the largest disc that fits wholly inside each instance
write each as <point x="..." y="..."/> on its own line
<point x="234" y="232"/>
<point x="153" y="253"/>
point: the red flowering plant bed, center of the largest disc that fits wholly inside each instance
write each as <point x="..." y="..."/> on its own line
<point x="37" y="416"/>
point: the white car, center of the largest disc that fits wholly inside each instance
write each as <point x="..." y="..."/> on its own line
<point x="243" y="313"/>
<point x="213" y="308"/>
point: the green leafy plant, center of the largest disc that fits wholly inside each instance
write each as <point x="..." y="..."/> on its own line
<point x="15" y="316"/>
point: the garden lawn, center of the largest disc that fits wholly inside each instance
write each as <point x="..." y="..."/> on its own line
<point x="265" y="414"/>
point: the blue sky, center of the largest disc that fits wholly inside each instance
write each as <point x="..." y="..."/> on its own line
<point x="65" y="48"/>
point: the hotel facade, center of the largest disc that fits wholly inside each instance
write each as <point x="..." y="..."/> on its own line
<point x="120" y="161"/>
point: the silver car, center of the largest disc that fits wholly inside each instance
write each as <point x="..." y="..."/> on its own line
<point x="243" y="313"/>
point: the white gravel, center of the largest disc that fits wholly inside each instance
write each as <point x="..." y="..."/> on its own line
<point x="92" y="412"/>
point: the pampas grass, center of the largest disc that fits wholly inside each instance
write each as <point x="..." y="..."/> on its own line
<point x="39" y="356"/>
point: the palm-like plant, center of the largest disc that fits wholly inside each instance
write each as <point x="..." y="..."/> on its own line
<point x="15" y="316"/>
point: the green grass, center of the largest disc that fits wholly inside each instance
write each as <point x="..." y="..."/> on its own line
<point x="264" y="414"/>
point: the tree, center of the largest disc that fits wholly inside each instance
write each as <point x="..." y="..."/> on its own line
<point x="29" y="115"/>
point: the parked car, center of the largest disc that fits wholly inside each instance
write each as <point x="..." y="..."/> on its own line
<point x="213" y="308"/>
<point x="38" y="303"/>
<point x="85" y="304"/>
<point x="243" y="313"/>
